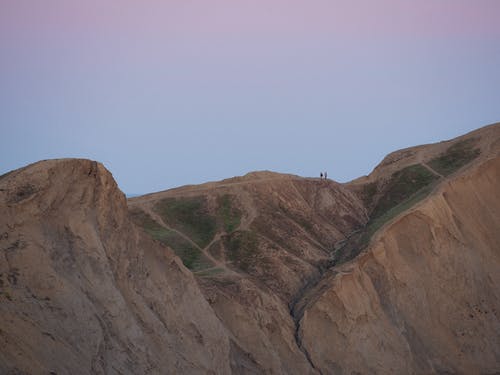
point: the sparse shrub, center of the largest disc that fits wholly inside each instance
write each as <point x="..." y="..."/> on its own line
<point x="230" y="215"/>
<point x="402" y="191"/>
<point x="401" y="186"/>
<point x="242" y="248"/>
<point x="191" y="256"/>
<point x="455" y="157"/>
<point x="190" y="216"/>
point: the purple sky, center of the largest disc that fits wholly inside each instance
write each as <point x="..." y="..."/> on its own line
<point x="172" y="92"/>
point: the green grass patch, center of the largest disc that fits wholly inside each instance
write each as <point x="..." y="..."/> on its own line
<point x="375" y="224"/>
<point x="230" y="215"/>
<point x="210" y="272"/>
<point x="403" y="190"/>
<point x="151" y="227"/>
<point x="401" y="186"/>
<point x="189" y="216"/>
<point x="242" y="248"/>
<point x="455" y="157"/>
<point x="357" y="243"/>
<point x="191" y="256"/>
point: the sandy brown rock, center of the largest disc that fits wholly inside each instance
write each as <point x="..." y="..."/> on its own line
<point x="82" y="291"/>
<point x="260" y="324"/>
<point x="485" y="138"/>
<point x="485" y="141"/>
<point x="394" y="273"/>
<point x="425" y="297"/>
<point x="296" y="223"/>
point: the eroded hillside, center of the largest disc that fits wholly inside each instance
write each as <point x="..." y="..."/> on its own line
<point x="396" y="272"/>
<point x="255" y="244"/>
<point x="284" y="237"/>
<point x="425" y="296"/>
<point x="83" y="292"/>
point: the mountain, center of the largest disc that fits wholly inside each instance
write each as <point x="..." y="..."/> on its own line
<point x="83" y="291"/>
<point x="424" y="296"/>
<point x="255" y="243"/>
<point x="395" y="272"/>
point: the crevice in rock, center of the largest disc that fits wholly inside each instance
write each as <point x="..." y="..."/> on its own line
<point x="298" y="341"/>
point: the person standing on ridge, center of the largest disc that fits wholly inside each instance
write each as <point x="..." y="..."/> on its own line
<point x="326" y="176"/>
<point x="321" y="175"/>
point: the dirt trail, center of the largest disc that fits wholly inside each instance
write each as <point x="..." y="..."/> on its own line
<point x="249" y="210"/>
<point x="159" y="220"/>
<point x="429" y="168"/>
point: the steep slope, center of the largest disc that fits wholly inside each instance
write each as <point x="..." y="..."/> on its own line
<point x="266" y="243"/>
<point x="82" y="291"/>
<point x="255" y="243"/>
<point x="394" y="273"/>
<point x="407" y="176"/>
<point x="425" y="297"/>
<point x="277" y="228"/>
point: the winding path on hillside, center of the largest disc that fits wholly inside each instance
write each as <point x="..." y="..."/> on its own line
<point x="430" y="169"/>
<point x="157" y="218"/>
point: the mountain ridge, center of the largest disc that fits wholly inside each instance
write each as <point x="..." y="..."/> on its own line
<point x="273" y="274"/>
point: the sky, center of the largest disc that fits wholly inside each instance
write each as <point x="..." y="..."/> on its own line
<point x="172" y="92"/>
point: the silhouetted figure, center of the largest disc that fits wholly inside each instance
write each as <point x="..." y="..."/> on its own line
<point x="321" y="175"/>
<point x="326" y="176"/>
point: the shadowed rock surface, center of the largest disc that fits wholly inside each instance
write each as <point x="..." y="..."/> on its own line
<point x="395" y="272"/>
<point x="424" y="297"/>
<point x="83" y="291"/>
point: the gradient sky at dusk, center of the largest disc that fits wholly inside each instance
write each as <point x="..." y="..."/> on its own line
<point x="172" y="92"/>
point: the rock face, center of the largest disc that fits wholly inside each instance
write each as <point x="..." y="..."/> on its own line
<point x="397" y="272"/>
<point x="271" y="236"/>
<point x="425" y="297"/>
<point x="84" y="292"/>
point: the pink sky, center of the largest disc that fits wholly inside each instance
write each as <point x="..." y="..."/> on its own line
<point x="260" y="18"/>
<point x="269" y="75"/>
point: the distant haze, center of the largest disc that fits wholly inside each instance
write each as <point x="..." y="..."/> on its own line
<point x="175" y="92"/>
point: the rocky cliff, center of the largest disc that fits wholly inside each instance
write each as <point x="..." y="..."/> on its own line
<point x="255" y="244"/>
<point x="396" y="272"/>
<point x="84" y="292"/>
<point x="424" y="298"/>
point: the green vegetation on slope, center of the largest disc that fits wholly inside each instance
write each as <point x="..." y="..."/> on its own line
<point x="410" y="185"/>
<point x="455" y="157"/>
<point x="190" y="216"/>
<point x="242" y="248"/>
<point x="401" y="186"/>
<point x="230" y="215"/>
<point x="192" y="257"/>
<point x="376" y="223"/>
<point x="402" y="191"/>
